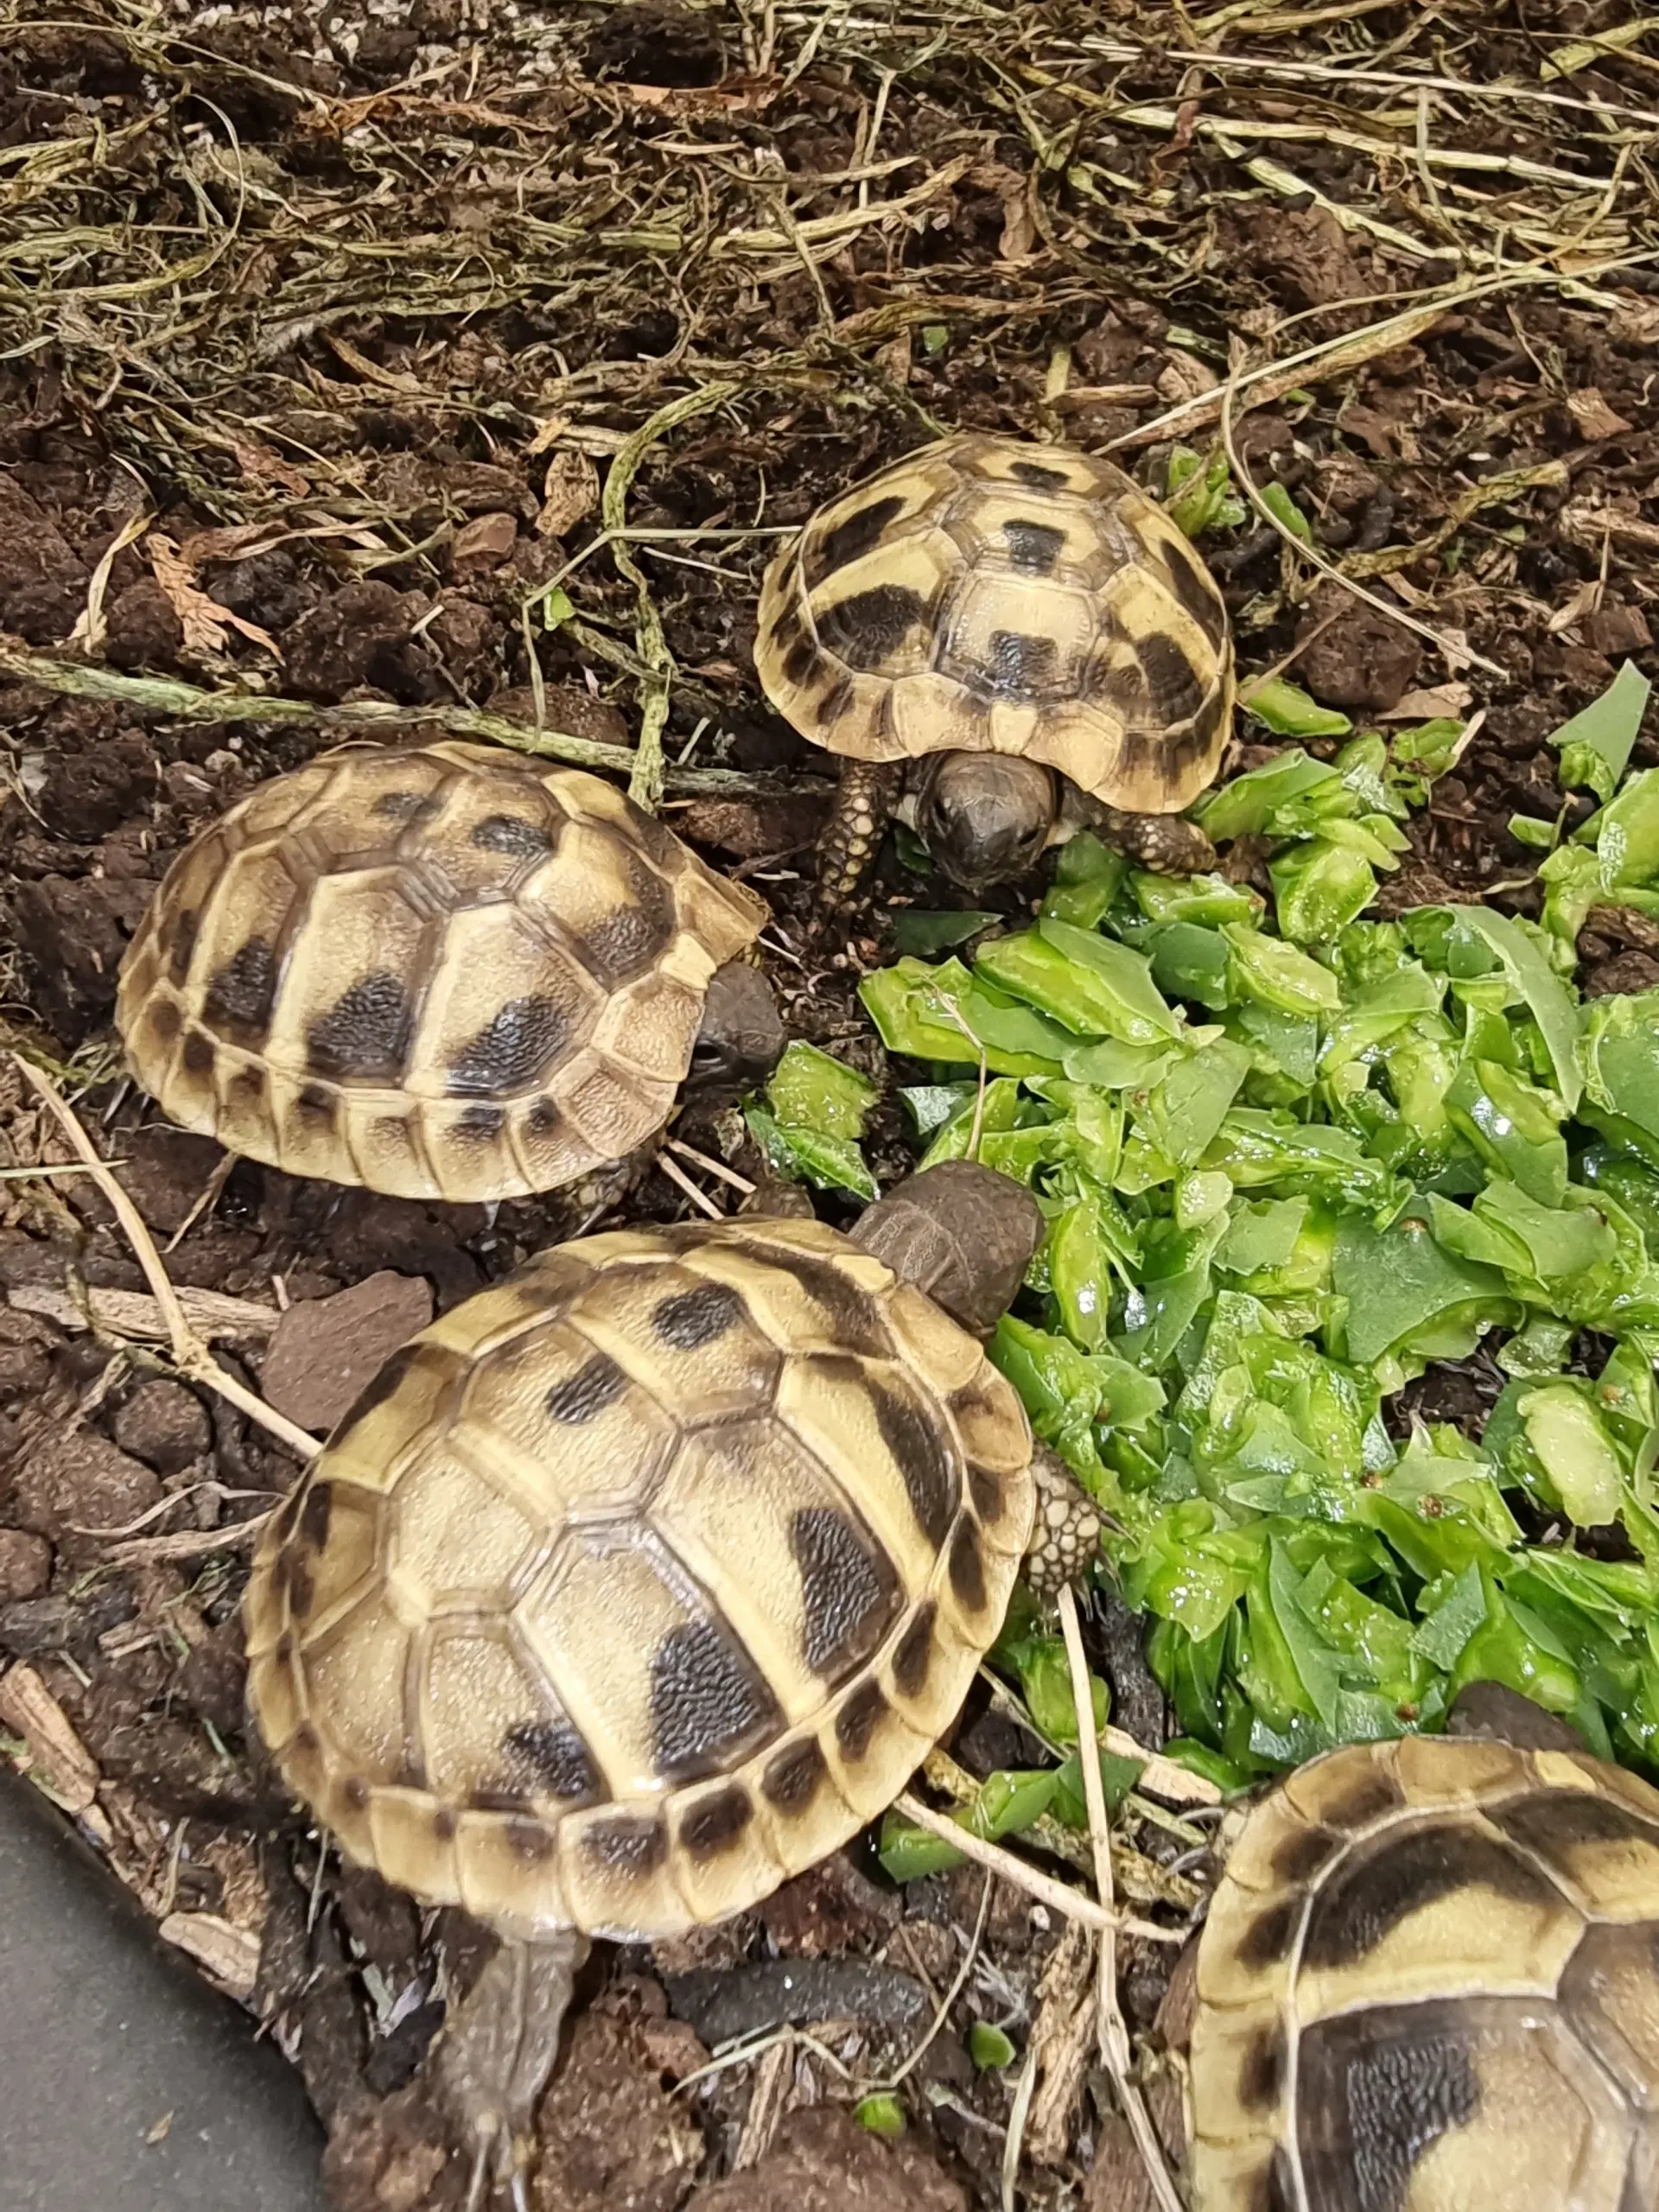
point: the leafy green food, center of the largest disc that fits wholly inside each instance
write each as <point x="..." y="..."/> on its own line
<point x="813" y="1119"/>
<point x="1596" y="745"/>
<point x="1289" y="1158"/>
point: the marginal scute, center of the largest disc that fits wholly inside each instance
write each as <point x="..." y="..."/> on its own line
<point x="624" y="1593"/>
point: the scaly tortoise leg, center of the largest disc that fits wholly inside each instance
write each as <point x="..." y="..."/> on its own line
<point x="1165" y="844"/>
<point x="852" y="836"/>
<point x="1065" y="1529"/>
<point x="497" y="2050"/>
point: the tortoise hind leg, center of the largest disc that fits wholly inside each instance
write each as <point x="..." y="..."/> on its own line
<point x="498" y="2051"/>
<point x="1164" y="844"/>
<point x="852" y="836"/>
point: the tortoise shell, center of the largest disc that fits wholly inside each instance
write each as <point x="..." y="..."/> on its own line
<point x="642" y="1580"/>
<point x="987" y="594"/>
<point x="1430" y="1980"/>
<point x="445" y="973"/>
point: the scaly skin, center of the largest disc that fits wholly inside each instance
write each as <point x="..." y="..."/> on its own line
<point x="852" y="836"/>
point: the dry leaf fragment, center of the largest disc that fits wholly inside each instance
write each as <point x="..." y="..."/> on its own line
<point x="230" y="1955"/>
<point x="204" y="621"/>
<point x="57" y="1758"/>
<point x="569" y="491"/>
<point x="1186" y="376"/>
<point x="267" y="467"/>
<point x="485" y="541"/>
<point x="1593" y="417"/>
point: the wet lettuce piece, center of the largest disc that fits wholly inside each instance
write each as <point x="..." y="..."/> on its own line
<point x="1088" y="876"/>
<point x="1320" y="887"/>
<point x="1620" y="1053"/>
<point x="1091" y="985"/>
<point x="812" y="1118"/>
<point x="1408" y="1297"/>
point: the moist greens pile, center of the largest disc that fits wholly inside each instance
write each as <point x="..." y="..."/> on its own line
<point x="1290" y="1157"/>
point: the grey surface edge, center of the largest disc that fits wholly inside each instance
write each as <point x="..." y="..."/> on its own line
<point x="106" y="2030"/>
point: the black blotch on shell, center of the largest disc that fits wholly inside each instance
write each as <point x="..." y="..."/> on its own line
<point x="1379" y="2088"/>
<point x="1371" y="1793"/>
<point x="1553" y="1821"/>
<point x="921" y="1455"/>
<point x="967" y="1568"/>
<point x="716" y="1823"/>
<point x="315" y="1108"/>
<point x="597" y="1382"/>
<point x="197" y="1055"/>
<point x="1208" y="722"/>
<point x="181" y="943"/>
<point x="791" y="1781"/>
<point x="555" y="1753"/>
<point x="1033" y="547"/>
<point x="798" y="661"/>
<point x="856" y="1721"/>
<point x="316" y="1514"/>
<point x="1269" y="1935"/>
<point x="511" y="835"/>
<point x="363" y="1037"/>
<point x="515" y="1046"/>
<point x="709" y="1704"/>
<point x="852" y="1318"/>
<point x="241" y="995"/>
<point x="530" y="1838"/>
<point x="692" y="1318"/>
<point x="631" y="936"/>
<point x="247" y="1091"/>
<point x="1191" y="585"/>
<point x="654" y="839"/>
<point x="165" y="1020"/>
<point x="912" y="1656"/>
<point x="355" y="1791"/>
<point x="835" y="701"/>
<point x="988" y="1496"/>
<point x="376" y="1392"/>
<point x="301" y="1589"/>
<point x="1036" y="478"/>
<point x="848" y="1591"/>
<point x="1019" y="666"/>
<point x="1176" y="687"/>
<point x="1300" y="1857"/>
<point x="627" y="1845"/>
<point x="851" y="538"/>
<point x="478" y="1124"/>
<point x="1261" y="2070"/>
<point x="865" y="630"/>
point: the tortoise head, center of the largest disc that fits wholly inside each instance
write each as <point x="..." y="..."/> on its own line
<point x="985" y="817"/>
<point x="963" y="1233"/>
<point x="740" y="1039"/>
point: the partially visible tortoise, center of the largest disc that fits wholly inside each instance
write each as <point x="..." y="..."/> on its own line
<point x="1429" y="1982"/>
<point x="446" y="973"/>
<point x="1004" y="614"/>
<point x="640" y="1582"/>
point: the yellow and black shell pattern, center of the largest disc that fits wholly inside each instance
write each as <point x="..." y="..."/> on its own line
<point x="986" y="595"/>
<point x="445" y="973"/>
<point x="642" y="1580"/>
<point x="1430" y="1982"/>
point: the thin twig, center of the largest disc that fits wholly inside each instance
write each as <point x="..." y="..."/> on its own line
<point x="1112" y="2029"/>
<point x="645" y="783"/>
<point x="190" y="1354"/>
<point x="1056" y="1895"/>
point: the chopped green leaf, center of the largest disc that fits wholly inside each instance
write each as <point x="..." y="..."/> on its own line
<point x="988" y="2048"/>
<point x="1288" y="711"/>
<point x="1596" y="743"/>
<point x="919" y="930"/>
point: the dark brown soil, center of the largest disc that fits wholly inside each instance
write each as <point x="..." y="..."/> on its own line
<point x="359" y="317"/>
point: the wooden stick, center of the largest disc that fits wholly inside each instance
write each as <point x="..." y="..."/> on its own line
<point x="190" y="1354"/>
<point x="1111" y="2027"/>
<point x="1056" y="1895"/>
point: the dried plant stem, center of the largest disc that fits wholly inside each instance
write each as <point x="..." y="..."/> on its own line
<point x="1112" y="2029"/>
<point x="1056" y="1895"/>
<point x="190" y="1354"/>
<point x="188" y="702"/>
<point x="646" y="781"/>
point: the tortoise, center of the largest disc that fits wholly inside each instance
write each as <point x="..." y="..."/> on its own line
<point x="444" y="972"/>
<point x="641" y="1581"/>
<point x="1002" y="613"/>
<point x="1430" y="1980"/>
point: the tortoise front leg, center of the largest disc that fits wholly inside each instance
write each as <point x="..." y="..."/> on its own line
<point x="852" y="836"/>
<point x="1065" y="1529"/>
<point x="1166" y="844"/>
